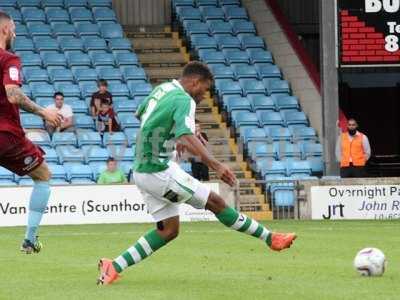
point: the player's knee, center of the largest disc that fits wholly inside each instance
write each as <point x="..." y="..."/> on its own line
<point x="215" y="203"/>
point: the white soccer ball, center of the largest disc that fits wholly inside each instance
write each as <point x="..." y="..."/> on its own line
<point x="370" y="262"/>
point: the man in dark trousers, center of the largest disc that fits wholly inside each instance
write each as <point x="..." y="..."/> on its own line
<point x="352" y="151"/>
<point x="199" y="169"/>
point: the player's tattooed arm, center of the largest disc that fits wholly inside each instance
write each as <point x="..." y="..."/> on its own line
<point x="17" y="96"/>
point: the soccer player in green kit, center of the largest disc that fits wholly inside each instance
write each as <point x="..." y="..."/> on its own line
<point x="168" y="114"/>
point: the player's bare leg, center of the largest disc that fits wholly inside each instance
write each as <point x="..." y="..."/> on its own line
<point x="37" y="205"/>
<point x="166" y="231"/>
<point x="231" y="218"/>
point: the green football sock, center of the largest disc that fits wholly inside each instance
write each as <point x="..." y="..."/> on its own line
<point x="231" y="218"/>
<point x="143" y="248"/>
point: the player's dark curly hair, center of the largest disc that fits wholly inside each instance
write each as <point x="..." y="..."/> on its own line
<point x="199" y="69"/>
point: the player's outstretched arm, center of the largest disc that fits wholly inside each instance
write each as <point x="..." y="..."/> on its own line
<point x="195" y="147"/>
<point x="17" y="96"/>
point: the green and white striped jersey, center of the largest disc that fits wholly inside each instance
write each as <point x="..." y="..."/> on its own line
<point x="165" y="115"/>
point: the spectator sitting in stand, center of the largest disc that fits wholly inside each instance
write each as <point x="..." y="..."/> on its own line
<point x="65" y="110"/>
<point x="112" y="174"/>
<point x="99" y="96"/>
<point x="106" y="120"/>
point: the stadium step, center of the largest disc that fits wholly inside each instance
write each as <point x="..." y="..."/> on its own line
<point x="160" y="52"/>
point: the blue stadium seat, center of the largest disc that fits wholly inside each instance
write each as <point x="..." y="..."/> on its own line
<point x="128" y="120"/>
<point x="295" y="118"/>
<point x="97" y="168"/>
<point x="125" y="105"/>
<point x="111" y="31"/>
<point x="264" y="150"/>
<point x="27" y="90"/>
<point x="250" y="86"/>
<point x="244" y="118"/>
<point x="238" y="103"/>
<point x="121" y="152"/>
<point x="88" y="88"/>
<point x="289" y="150"/>
<point x="283" y="197"/>
<point x="87" y="29"/>
<point x="243" y="27"/>
<point x="316" y="164"/>
<point x="104" y="14"/>
<point x="304" y="134"/>
<point x="50" y="155"/>
<point x="269" y="118"/>
<point x="201" y="3"/>
<point x="13" y="13"/>
<point x="52" y="3"/>
<point x="245" y="71"/>
<point x="21" y="30"/>
<point x="252" y="42"/>
<point x="85" y="137"/>
<point x="39" y="137"/>
<point x="212" y="57"/>
<point x="57" y="15"/>
<point x="220" y="27"/>
<point x="35" y="75"/>
<point x="42" y="90"/>
<point x="68" y="89"/>
<point x="118" y="89"/>
<point x="236" y="57"/>
<point x="95" y="153"/>
<point x="120" y="44"/>
<point x="109" y="73"/>
<point x="196" y="27"/>
<point x="84" y="121"/>
<point x="23" y="44"/>
<point x="51" y="59"/>
<point x="295" y="167"/>
<point x="94" y="43"/>
<point x="79" y="14"/>
<point x="78" y="106"/>
<point x="140" y="89"/>
<point x="31" y="121"/>
<point x="279" y="133"/>
<point x="204" y="42"/>
<point x="28" y="3"/>
<point x="6" y="183"/>
<point x="75" y="3"/>
<point x="24" y="181"/>
<point x="131" y="134"/>
<point x="117" y="138"/>
<point x="63" y="138"/>
<point x="75" y="59"/>
<point x="261" y="102"/>
<point x="78" y="171"/>
<point x="228" y="42"/>
<point x="61" y="29"/>
<point x="126" y="59"/>
<point x="260" y="56"/>
<point x="100" y="3"/>
<point x="212" y="13"/>
<point x="254" y="135"/>
<point x="57" y="171"/>
<point x="70" y="43"/>
<point x="222" y="72"/>
<point x="311" y="149"/>
<point x="228" y="87"/>
<point x="64" y="75"/>
<point x="277" y="86"/>
<point x="69" y="154"/>
<point x="39" y="29"/>
<point x="285" y="102"/>
<point x="9" y="3"/>
<point x="188" y="13"/>
<point x="85" y="74"/>
<point x="273" y="167"/>
<point x="178" y="3"/>
<point x="234" y="13"/>
<point x="31" y="60"/>
<point x="268" y="71"/>
<point x="46" y="44"/>
<point x="133" y="73"/>
<point x="33" y="14"/>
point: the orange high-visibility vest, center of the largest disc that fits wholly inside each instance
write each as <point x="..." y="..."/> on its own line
<point x="354" y="149"/>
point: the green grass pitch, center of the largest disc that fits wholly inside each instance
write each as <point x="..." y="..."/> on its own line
<point x="207" y="261"/>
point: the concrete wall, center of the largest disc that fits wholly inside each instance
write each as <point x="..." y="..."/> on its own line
<point x="305" y="201"/>
<point x="286" y="58"/>
<point x="143" y="12"/>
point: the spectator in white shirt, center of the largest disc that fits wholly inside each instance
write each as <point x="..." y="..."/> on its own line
<point x="65" y="110"/>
